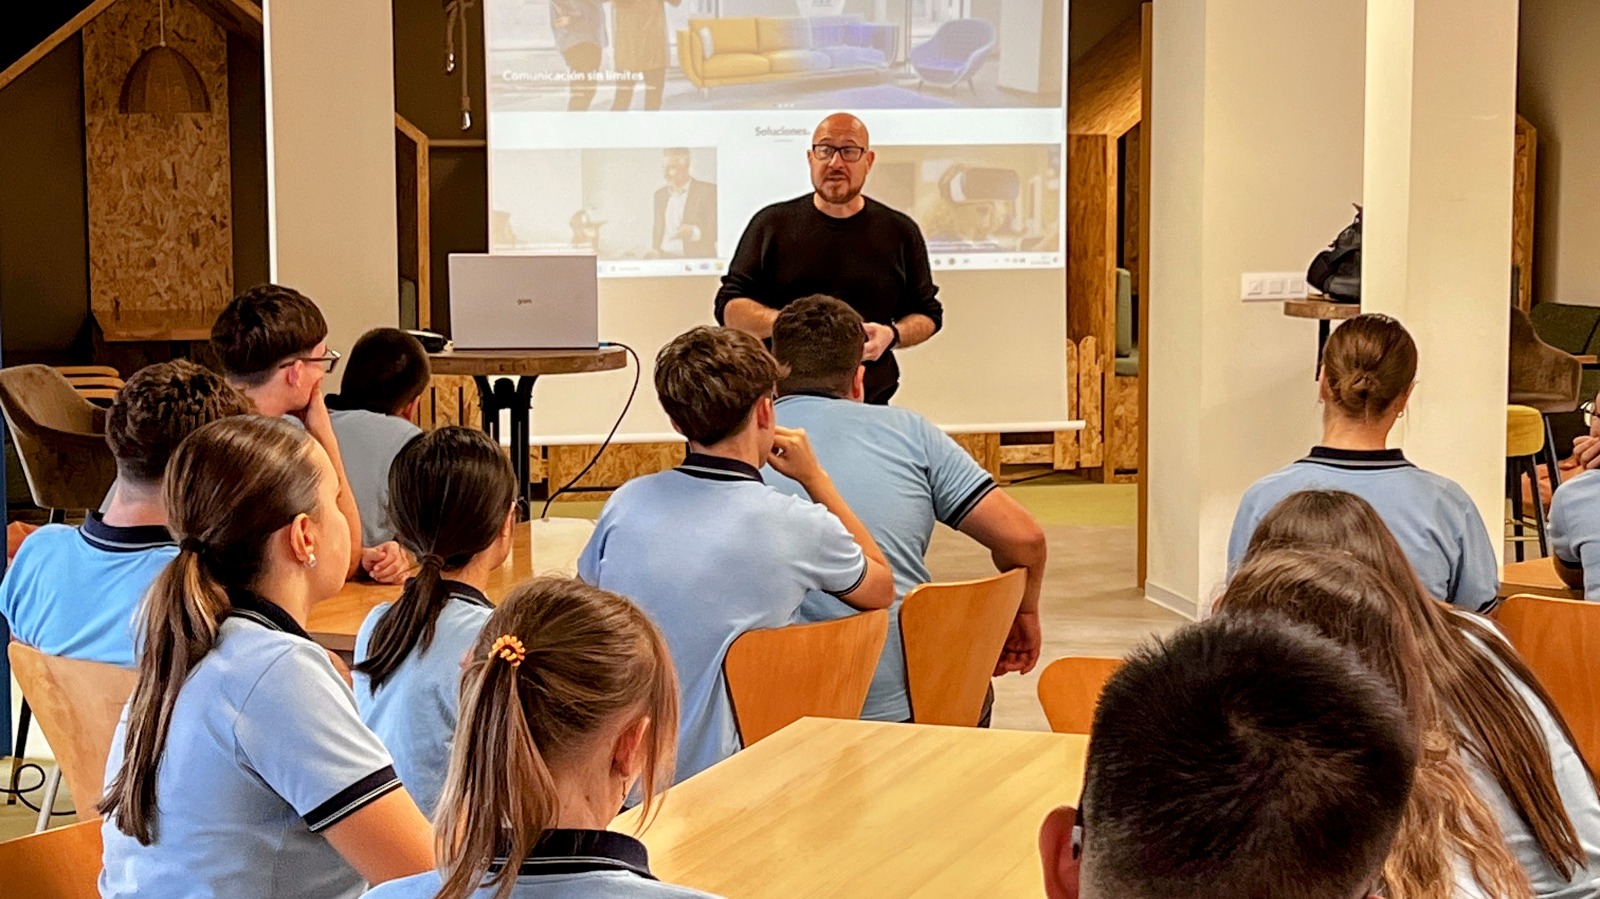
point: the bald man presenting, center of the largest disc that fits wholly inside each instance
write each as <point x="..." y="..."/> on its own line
<point x="837" y="242"/>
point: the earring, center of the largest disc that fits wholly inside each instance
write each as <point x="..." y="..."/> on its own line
<point x="311" y="560"/>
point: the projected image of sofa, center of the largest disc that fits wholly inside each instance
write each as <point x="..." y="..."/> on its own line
<point x="718" y="52"/>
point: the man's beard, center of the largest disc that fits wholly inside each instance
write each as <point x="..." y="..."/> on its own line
<point x="831" y="190"/>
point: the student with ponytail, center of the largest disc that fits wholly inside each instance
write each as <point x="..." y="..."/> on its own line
<point x="240" y="767"/>
<point x="451" y="500"/>
<point x="568" y="701"/>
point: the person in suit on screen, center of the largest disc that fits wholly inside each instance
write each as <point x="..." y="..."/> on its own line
<point x="685" y="212"/>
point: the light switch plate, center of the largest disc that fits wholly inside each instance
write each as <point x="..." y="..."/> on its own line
<point x="1271" y="287"/>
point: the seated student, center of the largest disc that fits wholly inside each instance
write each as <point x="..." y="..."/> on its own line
<point x="384" y="379"/>
<point x="1519" y="749"/>
<point x="240" y="767"/>
<point x="1449" y="843"/>
<point x="1368" y="368"/>
<point x="901" y="474"/>
<point x="568" y="701"/>
<point x="273" y="343"/>
<point x="707" y="549"/>
<point x="73" y="591"/>
<point x="452" y="497"/>
<point x="1240" y="757"/>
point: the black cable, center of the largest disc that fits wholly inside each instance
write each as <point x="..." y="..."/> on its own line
<point x="21" y="792"/>
<point x="638" y="370"/>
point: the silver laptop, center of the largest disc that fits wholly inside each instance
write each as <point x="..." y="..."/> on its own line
<point x="524" y="302"/>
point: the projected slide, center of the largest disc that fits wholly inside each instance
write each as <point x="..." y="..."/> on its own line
<point x="649" y="131"/>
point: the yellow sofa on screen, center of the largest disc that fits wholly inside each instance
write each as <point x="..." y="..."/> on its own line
<point x="715" y="52"/>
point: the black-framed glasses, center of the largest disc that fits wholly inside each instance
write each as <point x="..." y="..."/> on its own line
<point x="825" y="152"/>
<point x="327" y="363"/>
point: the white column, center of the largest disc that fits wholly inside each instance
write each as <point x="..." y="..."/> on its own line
<point x="1436" y="247"/>
<point x="331" y="159"/>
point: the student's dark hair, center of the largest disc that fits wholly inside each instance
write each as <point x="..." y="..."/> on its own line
<point x="229" y="487"/>
<point x="450" y="491"/>
<point x="264" y="326"/>
<point x="556" y="663"/>
<point x="385" y="371"/>
<point x="710" y="379"/>
<point x="1369" y="363"/>
<point x="1446" y="821"/>
<point x="1473" y="668"/>
<point x="158" y="407"/>
<point x="821" y="340"/>
<point x="1243" y="756"/>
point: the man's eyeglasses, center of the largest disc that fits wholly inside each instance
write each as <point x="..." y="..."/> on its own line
<point x="327" y="363"/>
<point x="825" y="153"/>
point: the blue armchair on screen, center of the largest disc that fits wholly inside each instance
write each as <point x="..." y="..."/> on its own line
<point x="954" y="53"/>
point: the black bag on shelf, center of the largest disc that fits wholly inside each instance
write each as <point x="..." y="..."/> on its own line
<point x="1337" y="270"/>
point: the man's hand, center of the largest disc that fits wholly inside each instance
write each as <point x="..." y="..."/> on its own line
<point x="1586" y="451"/>
<point x="686" y="232"/>
<point x="1022" y="646"/>
<point x="878" y="339"/>
<point x="317" y="421"/>
<point x="387" y="563"/>
<point x="793" y="457"/>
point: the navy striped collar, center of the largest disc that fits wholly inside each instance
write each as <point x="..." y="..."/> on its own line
<point x="253" y="607"/>
<point x="111" y="538"/>
<point x="719" y="468"/>
<point x="1363" y="460"/>
<point x="465" y="592"/>
<point x="820" y="394"/>
<point x="562" y="851"/>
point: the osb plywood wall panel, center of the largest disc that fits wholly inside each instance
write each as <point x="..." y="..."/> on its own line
<point x="1524" y="179"/>
<point x="160" y="200"/>
<point x="620" y="463"/>
<point x="1122" y="424"/>
<point x="1132" y="228"/>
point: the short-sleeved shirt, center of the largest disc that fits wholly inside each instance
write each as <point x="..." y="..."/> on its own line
<point x="709" y="551"/>
<point x="1431" y="517"/>
<point x="368" y="443"/>
<point x="565" y="864"/>
<point x="75" y="592"/>
<point x="900" y="474"/>
<point x="264" y="753"/>
<point x="415" y="710"/>
<point x="1574" y="528"/>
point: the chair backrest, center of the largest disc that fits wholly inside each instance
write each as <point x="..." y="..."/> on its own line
<point x="63" y="863"/>
<point x="779" y="675"/>
<point x="953" y="635"/>
<point x="1560" y="641"/>
<point x="960" y="37"/>
<point x="77" y="705"/>
<point x="1069" y="688"/>
<point x="60" y="438"/>
<point x="1542" y="376"/>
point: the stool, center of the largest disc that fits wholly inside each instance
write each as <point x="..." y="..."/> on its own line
<point x="1525" y="443"/>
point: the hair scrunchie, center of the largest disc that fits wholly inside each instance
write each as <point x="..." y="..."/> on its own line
<point x="509" y="648"/>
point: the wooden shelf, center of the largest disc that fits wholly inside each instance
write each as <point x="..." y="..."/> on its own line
<point x="1320" y="308"/>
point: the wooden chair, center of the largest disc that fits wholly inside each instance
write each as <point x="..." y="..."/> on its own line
<point x="779" y="675"/>
<point x="58" y="864"/>
<point x="953" y="634"/>
<point x="88" y="371"/>
<point x="1069" y="688"/>
<point x="1560" y="641"/>
<point x="77" y="705"/>
<point x="60" y="438"/>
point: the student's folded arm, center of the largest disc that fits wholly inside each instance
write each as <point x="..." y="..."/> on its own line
<point x="1013" y="539"/>
<point x="875" y="590"/>
<point x="1570" y="574"/>
<point x="386" y="839"/>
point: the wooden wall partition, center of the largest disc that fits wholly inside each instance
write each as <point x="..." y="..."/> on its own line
<point x="160" y="195"/>
<point x="1146" y="16"/>
<point x="1524" y="187"/>
<point x="1092" y="199"/>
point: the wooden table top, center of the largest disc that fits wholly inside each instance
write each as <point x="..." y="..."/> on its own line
<point x="1320" y="308"/>
<point x="859" y="808"/>
<point x="173" y="327"/>
<point x="1536" y="576"/>
<point x="527" y="362"/>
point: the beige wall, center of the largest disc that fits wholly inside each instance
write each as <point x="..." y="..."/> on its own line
<point x="330" y="159"/>
<point x="1558" y="72"/>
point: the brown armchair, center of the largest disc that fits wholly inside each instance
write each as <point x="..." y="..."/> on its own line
<point x="1545" y="378"/>
<point x="60" y="439"/>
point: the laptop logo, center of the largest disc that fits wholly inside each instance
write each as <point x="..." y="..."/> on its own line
<point x="524" y="301"/>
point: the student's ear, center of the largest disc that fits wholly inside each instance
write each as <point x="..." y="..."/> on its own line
<point x="766" y="415"/>
<point x="1322" y="387"/>
<point x="409" y="411"/>
<point x="627" y="754"/>
<point x="858" y="387"/>
<point x="302" y="542"/>
<point x="505" y="526"/>
<point x="1055" y="852"/>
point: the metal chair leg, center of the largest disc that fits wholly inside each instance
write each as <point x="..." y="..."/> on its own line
<point x="52" y="786"/>
<point x="1538" y="508"/>
<point x="19" y="750"/>
<point x="1550" y="460"/>
<point x="1514" y="487"/>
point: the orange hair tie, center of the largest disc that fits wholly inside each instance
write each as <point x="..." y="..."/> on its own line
<point x="509" y="648"/>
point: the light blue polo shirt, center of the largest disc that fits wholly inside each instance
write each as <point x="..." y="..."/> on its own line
<point x="264" y="752"/>
<point x="74" y="592"/>
<point x="1574" y="528"/>
<point x="414" y="713"/>
<point x="566" y="864"/>
<point x="1431" y="517"/>
<point x="368" y="443"/>
<point x="900" y="474"/>
<point x="709" y="551"/>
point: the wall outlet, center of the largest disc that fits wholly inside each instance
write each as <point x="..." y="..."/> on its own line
<point x="1271" y="287"/>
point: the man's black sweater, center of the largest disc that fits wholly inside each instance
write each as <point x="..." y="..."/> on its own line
<point x="875" y="260"/>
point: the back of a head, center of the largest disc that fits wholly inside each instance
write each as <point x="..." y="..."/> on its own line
<point x="709" y="380"/>
<point x="1243" y="757"/>
<point x="264" y="326"/>
<point x="158" y="407"/>
<point x="1369" y="362"/>
<point x="385" y="371"/>
<point x="820" y="340"/>
<point x="558" y="664"/>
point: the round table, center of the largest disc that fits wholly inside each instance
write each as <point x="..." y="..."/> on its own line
<point x="519" y="369"/>
<point x="1324" y="311"/>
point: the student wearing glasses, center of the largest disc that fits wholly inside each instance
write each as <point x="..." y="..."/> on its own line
<point x="840" y="243"/>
